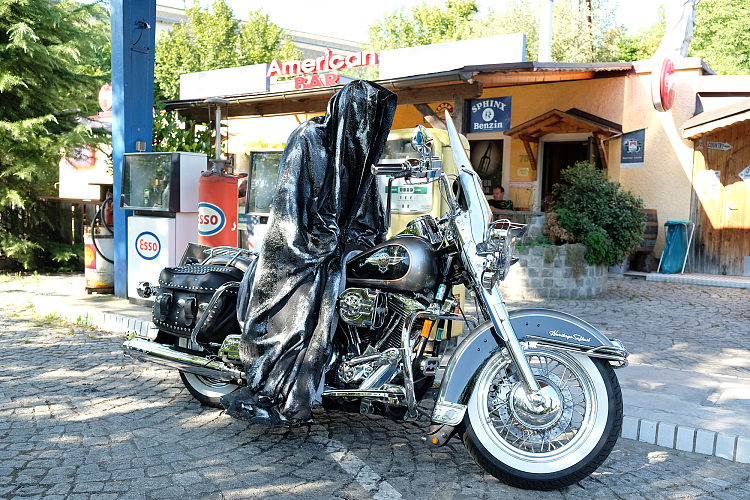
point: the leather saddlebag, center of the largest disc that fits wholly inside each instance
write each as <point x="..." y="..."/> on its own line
<point x="184" y="295"/>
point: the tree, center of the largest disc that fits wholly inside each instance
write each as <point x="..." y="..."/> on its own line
<point x="585" y="34"/>
<point x="52" y="63"/>
<point x="214" y="39"/>
<point x="721" y="35"/>
<point x="423" y="25"/>
<point x="644" y="43"/>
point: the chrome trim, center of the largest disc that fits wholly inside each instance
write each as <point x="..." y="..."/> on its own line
<point x="394" y="395"/>
<point x="448" y="413"/>
<point x="209" y="309"/>
<point x="142" y="349"/>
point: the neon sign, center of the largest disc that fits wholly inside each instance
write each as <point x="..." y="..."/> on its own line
<point x="328" y="62"/>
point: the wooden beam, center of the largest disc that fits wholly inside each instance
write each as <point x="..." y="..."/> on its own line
<point x="291" y="103"/>
<point x="429" y="116"/>
<point x="426" y="95"/>
<point x="458" y="113"/>
<point x="602" y="149"/>
<point x="529" y="151"/>
<point x="528" y="77"/>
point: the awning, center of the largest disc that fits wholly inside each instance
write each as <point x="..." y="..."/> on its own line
<point x="572" y="121"/>
<point x="465" y="83"/>
<point x="710" y="121"/>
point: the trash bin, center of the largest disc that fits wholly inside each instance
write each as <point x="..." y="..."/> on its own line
<point x="674" y="256"/>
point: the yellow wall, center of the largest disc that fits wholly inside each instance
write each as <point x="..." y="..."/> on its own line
<point x="664" y="182"/>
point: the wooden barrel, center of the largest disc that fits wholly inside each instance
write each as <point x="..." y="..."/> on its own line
<point x="652" y="229"/>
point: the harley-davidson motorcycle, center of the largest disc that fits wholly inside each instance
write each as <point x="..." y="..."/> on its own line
<point x="532" y="393"/>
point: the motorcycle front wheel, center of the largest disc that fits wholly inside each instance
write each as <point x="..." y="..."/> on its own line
<point x="552" y="449"/>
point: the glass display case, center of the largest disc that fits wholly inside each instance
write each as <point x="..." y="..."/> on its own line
<point x="264" y="174"/>
<point x="151" y="182"/>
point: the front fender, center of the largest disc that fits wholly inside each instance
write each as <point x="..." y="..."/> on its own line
<point x="544" y="327"/>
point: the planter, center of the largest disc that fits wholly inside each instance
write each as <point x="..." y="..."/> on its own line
<point x="554" y="272"/>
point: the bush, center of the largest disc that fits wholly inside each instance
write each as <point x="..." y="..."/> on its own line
<point x="598" y="213"/>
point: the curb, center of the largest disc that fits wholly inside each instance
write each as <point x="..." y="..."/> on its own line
<point x="676" y="437"/>
<point x="684" y="438"/>
<point x="116" y="323"/>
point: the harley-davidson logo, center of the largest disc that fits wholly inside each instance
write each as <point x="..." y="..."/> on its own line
<point x="383" y="260"/>
<point x="575" y="336"/>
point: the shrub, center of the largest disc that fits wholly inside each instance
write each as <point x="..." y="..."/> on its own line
<point x="598" y="213"/>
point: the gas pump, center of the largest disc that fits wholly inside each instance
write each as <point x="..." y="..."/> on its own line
<point x="217" y="196"/>
<point x="99" y="251"/>
<point x="411" y="200"/>
<point x="162" y="191"/>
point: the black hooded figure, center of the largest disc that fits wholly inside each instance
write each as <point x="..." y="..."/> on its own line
<point x="326" y="200"/>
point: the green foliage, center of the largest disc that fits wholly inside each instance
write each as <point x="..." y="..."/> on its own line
<point x="213" y="39"/>
<point x="643" y="44"/>
<point x="721" y="35"/>
<point x="172" y="133"/>
<point x="598" y="213"/>
<point x="423" y="25"/>
<point x="53" y="59"/>
<point x="586" y="34"/>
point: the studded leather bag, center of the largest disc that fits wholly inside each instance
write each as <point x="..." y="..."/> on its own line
<point x="184" y="296"/>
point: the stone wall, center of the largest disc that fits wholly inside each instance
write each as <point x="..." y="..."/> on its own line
<point x="554" y="272"/>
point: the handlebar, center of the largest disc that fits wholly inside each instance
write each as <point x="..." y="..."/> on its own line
<point x="396" y="170"/>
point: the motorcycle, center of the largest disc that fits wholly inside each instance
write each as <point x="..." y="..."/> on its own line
<point x="532" y="392"/>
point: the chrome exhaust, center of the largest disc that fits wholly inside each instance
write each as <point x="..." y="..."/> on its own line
<point x="142" y="349"/>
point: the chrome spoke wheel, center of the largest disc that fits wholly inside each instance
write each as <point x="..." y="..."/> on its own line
<point x="526" y="433"/>
<point x="554" y="438"/>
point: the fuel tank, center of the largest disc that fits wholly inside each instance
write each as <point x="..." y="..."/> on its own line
<point x="404" y="263"/>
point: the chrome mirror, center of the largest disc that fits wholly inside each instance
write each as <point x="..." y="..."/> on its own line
<point x="421" y="141"/>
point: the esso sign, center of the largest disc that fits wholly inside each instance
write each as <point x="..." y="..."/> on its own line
<point x="211" y="219"/>
<point x="147" y="245"/>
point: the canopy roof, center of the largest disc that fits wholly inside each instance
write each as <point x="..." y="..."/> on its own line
<point x="710" y="121"/>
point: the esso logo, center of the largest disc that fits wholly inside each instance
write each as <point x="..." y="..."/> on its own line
<point x="147" y="245"/>
<point x="211" y="219"/>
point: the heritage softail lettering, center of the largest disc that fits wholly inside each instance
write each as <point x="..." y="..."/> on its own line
<point x="330" y="312"/>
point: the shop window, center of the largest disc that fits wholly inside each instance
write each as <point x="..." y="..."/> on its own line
<point x="487" y="159"/>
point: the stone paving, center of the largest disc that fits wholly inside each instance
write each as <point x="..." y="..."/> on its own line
<point x="701" y="328"/>
<point x="78" y="421"/>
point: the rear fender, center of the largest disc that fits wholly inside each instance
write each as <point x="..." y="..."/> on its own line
<point x="540" y="327"/>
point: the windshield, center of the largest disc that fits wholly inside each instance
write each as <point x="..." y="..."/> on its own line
<point x="478" y="210"/>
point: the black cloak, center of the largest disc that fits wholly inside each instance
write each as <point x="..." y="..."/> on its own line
<point x="326" y="199"/>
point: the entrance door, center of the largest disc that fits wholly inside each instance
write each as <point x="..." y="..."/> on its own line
<point x="557" y="157"/>
<point x="735" y="231"/>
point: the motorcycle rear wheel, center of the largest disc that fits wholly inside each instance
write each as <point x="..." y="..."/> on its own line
<point x="207" y="390"/>
<point x="549" y="451"/>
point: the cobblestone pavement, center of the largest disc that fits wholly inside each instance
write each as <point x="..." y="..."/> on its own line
<point x="77" y="421"/>
<point x="701" y="328"/>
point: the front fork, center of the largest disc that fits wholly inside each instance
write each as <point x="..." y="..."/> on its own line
<point x="533" y="398"/>
<point x="501" y="322"/>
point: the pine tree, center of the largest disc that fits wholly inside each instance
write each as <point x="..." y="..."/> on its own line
<point x="53" y="59"/>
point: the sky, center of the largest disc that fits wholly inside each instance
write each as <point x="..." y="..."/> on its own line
<point x="350" y="19"/>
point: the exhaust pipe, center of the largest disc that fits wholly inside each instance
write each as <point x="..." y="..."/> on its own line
<point x="144" y="350"/>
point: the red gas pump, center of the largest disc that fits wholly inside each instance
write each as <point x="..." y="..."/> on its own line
<point x="217" y="196"/>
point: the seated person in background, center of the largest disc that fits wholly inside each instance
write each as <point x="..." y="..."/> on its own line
<point x="498" y="202"/>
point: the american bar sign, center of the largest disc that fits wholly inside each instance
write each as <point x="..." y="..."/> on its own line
<point x="322" y="64"/>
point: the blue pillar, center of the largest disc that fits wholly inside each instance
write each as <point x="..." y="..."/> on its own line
<point x="133" y="38"/>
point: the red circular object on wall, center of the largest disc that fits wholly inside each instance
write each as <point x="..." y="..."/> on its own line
<point x="666" y="89"/>
<point x="662" y="86"/>
<point x="105" y="97"/>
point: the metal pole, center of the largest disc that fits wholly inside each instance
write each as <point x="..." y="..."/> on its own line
<point x="545" y="32"/>
<point x="133" y="28"/>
